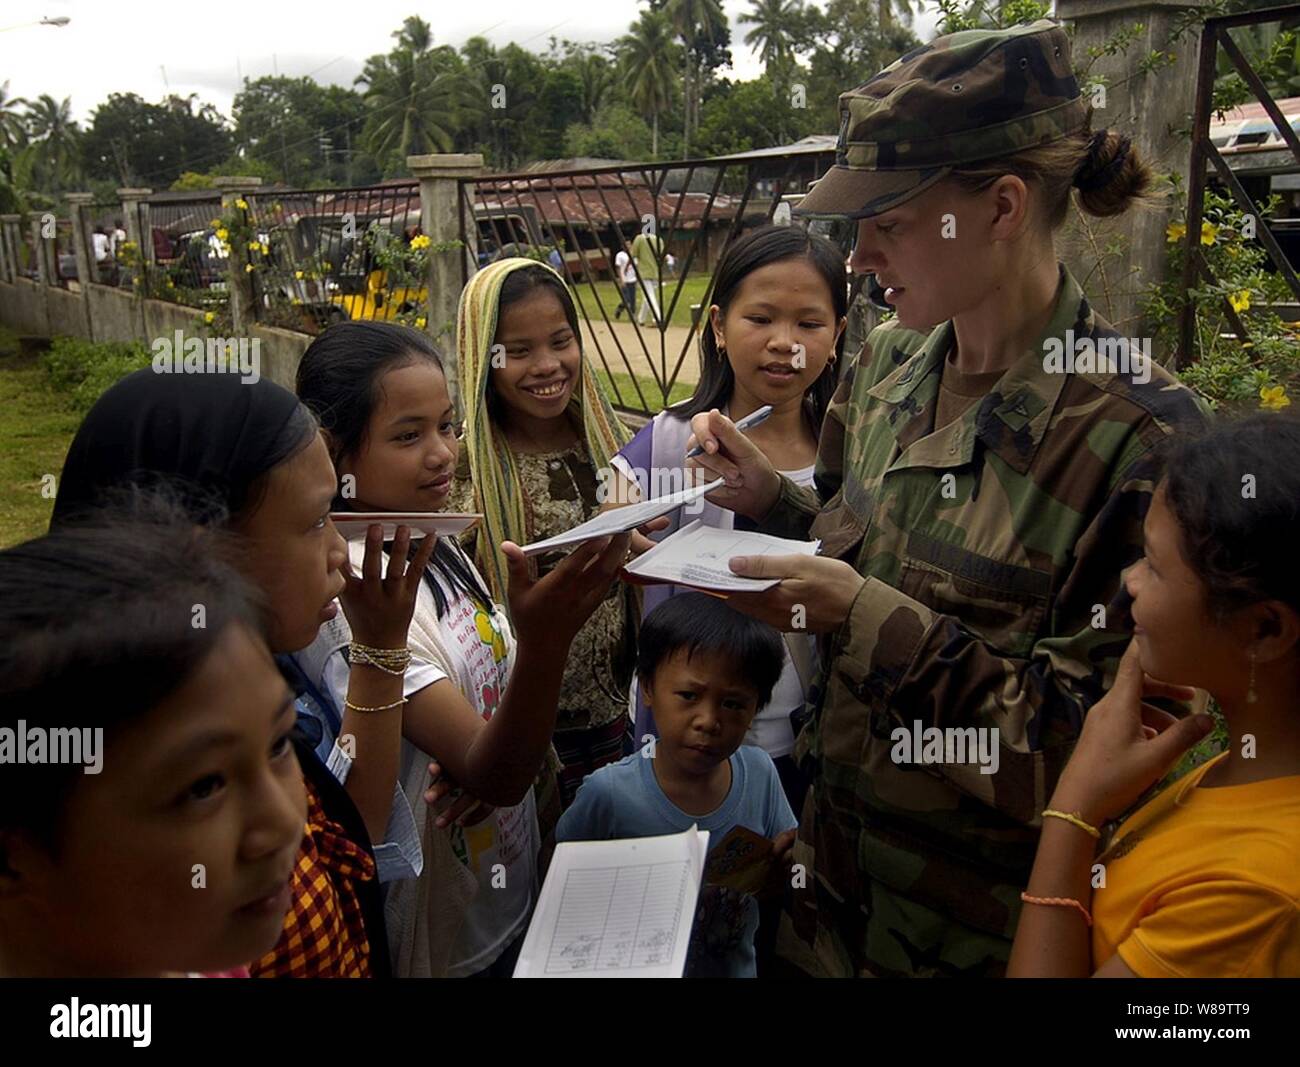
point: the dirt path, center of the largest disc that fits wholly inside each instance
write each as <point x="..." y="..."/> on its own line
<point x="647" y="354"/>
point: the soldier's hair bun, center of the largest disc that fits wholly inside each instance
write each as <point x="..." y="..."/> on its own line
<point x="1111" y="174"/>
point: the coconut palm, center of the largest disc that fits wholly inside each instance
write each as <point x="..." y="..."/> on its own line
<point x="52" y="158"/>
<point x="646" y="57"/>
<point x="692" y="20"/>
<point x="413" y="93"/>
<point x="776" y="26"/>
<point x="13" y="127"/>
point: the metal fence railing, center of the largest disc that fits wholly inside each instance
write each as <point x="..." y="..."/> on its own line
<point x="1214" y="36"/>
<point x="644" y="336"/>
<point x="189" y="262"/>
<point x="328" y="255"/>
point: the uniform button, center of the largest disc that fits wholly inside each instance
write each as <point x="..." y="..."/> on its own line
<point x="952" y="449"/>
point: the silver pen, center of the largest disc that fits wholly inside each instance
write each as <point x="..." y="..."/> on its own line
<point x="747" y="423"/>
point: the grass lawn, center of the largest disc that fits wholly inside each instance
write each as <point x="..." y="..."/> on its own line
<point x="36" y="429"/>
<point x="626" y="395"/>
<point x="692" y="293"/>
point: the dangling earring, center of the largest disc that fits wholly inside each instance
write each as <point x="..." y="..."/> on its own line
<point x="1250" y="689"/>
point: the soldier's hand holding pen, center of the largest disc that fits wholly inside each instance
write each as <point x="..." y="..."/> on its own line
<point x="752" y="483"/>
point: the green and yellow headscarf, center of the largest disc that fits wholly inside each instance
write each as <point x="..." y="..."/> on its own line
<point x="497" y="492"/>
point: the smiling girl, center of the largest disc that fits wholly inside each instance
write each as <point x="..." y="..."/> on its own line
<point x="382" y="399"/>
<point x="1203" y="880"/>
<point x="780" y="297"/>
<point x="539" y="432"/>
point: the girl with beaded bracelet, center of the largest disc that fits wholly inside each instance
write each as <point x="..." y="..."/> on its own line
<point x="1201" y="881"/>
<point x="481" y="693"/>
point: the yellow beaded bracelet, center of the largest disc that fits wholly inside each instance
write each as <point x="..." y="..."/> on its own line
<point x="1072" y="817"/>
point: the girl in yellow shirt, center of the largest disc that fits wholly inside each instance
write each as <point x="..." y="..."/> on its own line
<point x="1204" y="879"/>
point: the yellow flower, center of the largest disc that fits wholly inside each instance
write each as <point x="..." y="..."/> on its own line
<point x="222" y="233"/>
<point x="1274" y="399"/>
<point x="1233" y="251"/>
<point x="297" y="274"/>
<point x="171" y="284"/>
<point x="1240" y="300"/>
<point x="209" y="316"/>
<point x="420" y="240"/>
<point x="266" y="249"/>
<point x="248" y="268"/>
<point x="419" y="322"/>
<point x="1175" y="231"/>
<point x="215" y="224"/>
<point x="1209" y="232"/>
<point x="253" y="246"/>
<point x="242" y="204"/>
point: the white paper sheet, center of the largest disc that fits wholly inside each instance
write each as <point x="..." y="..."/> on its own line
<point x="620" y="520"/>
<point x="697" y="555"/>
<point x="616" y="909"/>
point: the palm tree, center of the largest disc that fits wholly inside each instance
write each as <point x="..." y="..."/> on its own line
<point x="53" y="157"/>
<point x="775" y="25"/>
<point x="13" y="127"/>
<point x="692" y="20"/>
<point x="646" y="57"/>
<point x="414" y="95"/>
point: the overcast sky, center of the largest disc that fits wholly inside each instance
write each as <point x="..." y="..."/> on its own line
<point x="150" y="47"/>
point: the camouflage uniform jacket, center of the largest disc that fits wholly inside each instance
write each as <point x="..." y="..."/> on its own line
<point x="993" y="550"/>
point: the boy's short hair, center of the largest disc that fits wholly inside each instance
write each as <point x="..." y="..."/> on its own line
<point x="698" y="622"/>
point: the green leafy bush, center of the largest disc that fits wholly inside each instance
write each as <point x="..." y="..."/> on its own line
<point x="81" y="370"/>
<point x="1235" y="374"/>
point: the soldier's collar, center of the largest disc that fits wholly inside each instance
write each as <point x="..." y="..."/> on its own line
<point x="1013" y="418"/>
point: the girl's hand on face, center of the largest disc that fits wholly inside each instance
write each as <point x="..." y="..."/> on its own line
<point x="450" y="803"/>
<point x="1126" y="746"/>
<point x="379" y="606"/>
<point x="752" y="483"/>
<point x="814" y="594"/>
<point x="553" y="609"/>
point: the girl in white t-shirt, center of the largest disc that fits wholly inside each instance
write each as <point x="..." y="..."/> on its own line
<point x="382" y="400"/>
<point x="775" y="333"/>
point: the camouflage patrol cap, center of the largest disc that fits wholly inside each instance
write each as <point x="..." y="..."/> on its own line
<point x="965" y="97"/>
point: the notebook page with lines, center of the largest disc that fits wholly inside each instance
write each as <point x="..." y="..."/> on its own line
<point x="616" y="909"/>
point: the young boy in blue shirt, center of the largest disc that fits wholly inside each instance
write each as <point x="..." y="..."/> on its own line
<point x="706" y="670"/>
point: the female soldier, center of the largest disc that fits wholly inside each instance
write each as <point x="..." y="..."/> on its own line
<point x="979" y="489"/>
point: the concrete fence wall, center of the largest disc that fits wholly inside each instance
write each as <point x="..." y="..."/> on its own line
<point x="104" y="313"/>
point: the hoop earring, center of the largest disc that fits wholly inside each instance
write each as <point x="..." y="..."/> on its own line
<point x="1250" y="689"/>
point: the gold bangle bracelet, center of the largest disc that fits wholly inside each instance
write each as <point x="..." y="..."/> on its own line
<point x="1073" y="818"/>
<point x="381" y="707"/>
